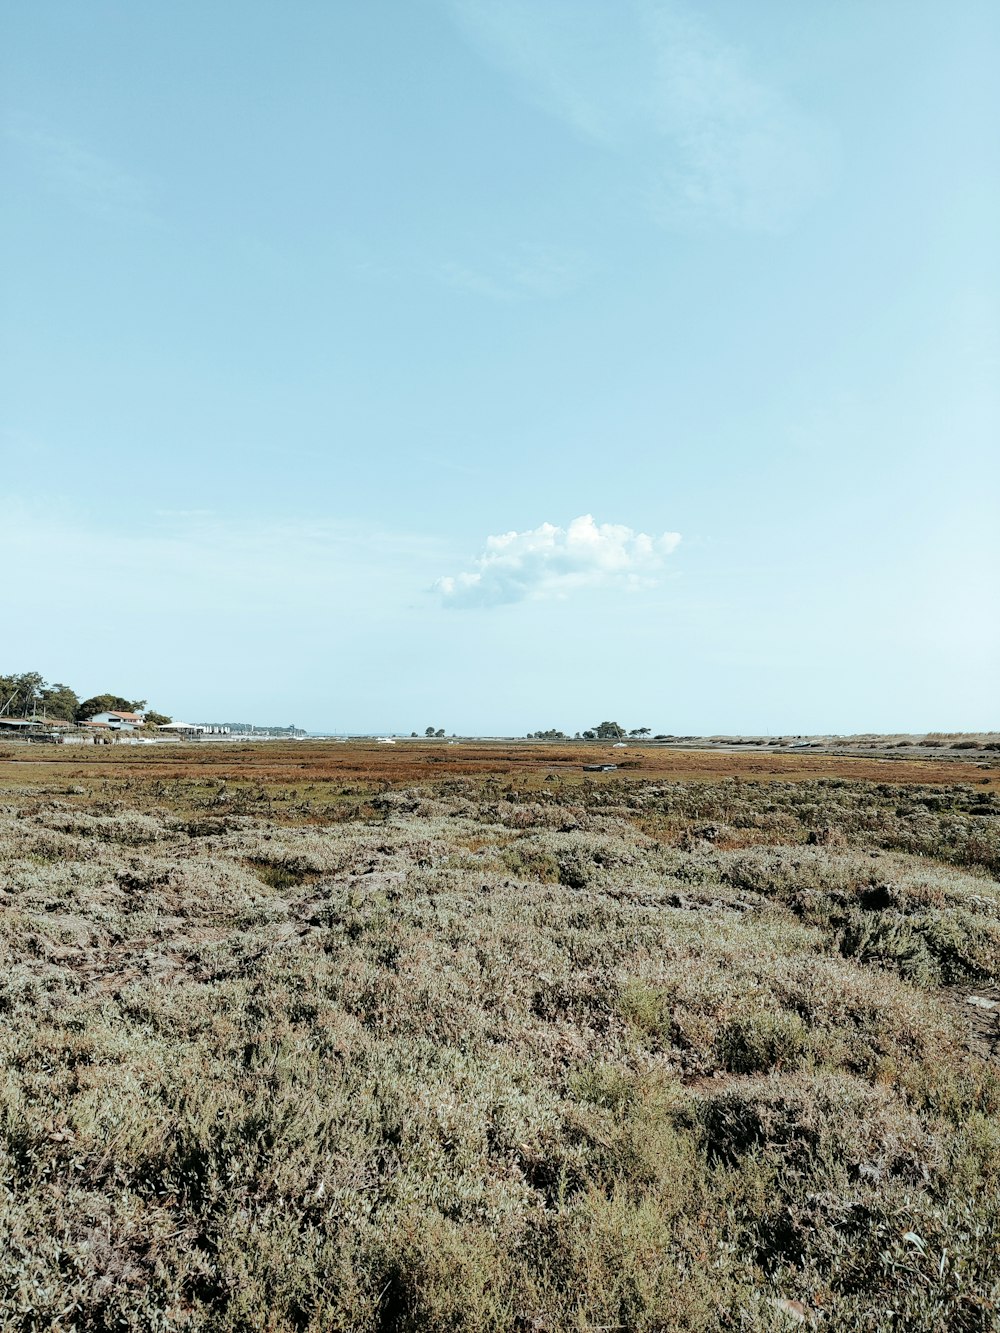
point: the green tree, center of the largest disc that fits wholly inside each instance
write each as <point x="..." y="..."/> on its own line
<point x="19" y="693"/>
<point x="59" y="701"/>
<point x="639" y="731"/>
<point x="108" y="703"/>
<point x="157" y="719"/>
<point x="439" y="732"/>
<point x="609" y="731"/>
<point x="429" y="731"/>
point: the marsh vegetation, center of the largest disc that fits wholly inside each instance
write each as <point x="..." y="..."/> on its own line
<point x="484" y="1053"/>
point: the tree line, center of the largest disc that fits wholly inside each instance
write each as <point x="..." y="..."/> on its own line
<point x="602" y="731"/>
<point x="27" y="694"/>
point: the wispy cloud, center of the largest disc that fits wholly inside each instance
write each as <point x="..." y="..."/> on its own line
<point x="551" y="561"/>
<point x="88" y="179"/>
<point x="202" y="564"/>
<point x="649" y="80"/>
<point x="532" y="272"/>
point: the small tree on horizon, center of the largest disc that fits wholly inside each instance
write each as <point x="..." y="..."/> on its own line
<point x="609" y="731"/>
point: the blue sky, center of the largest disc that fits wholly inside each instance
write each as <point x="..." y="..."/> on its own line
<point x="505" y="365"/>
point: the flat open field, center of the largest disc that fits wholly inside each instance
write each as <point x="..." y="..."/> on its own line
<point x="301" y="1037"/>
<point x="281" y="764"/>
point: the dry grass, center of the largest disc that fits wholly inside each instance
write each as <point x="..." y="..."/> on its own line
<point x="330" y="764"/>
<point x="293" y="1052"/>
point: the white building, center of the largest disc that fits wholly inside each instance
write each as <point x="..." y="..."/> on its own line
<point x="118" y="721"/>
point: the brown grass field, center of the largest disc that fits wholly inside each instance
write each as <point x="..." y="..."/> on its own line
<point x="284" y="764"/>
<point x="308" y="1037"/>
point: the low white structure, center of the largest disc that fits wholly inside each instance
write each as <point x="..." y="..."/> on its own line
<point x="119" y="721"/>
<point x="182" y="728"/>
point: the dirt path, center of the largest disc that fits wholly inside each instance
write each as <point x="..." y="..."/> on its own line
<point x="978" y="1008"/>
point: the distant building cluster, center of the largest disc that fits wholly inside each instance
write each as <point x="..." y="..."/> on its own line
<point x="196" y="728"/>
<point x="33" y="710"/>
<point x="122" y="726"/>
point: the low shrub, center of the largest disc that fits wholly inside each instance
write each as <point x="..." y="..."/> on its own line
<point x="479" y="1056"/>
<point x="760" y="1043"/>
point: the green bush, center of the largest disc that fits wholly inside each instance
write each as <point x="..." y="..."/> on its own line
<point x="763" y="1042"/>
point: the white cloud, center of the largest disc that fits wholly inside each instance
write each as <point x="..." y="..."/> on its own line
<point x="92" y="182"/>
<point x="652" y="82"/>
<point x="550" y="561"/>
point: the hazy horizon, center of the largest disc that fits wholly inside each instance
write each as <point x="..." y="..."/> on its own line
<point x="467" y="363"/>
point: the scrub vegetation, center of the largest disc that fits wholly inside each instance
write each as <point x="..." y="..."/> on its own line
<point x="491" y="1052"/>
